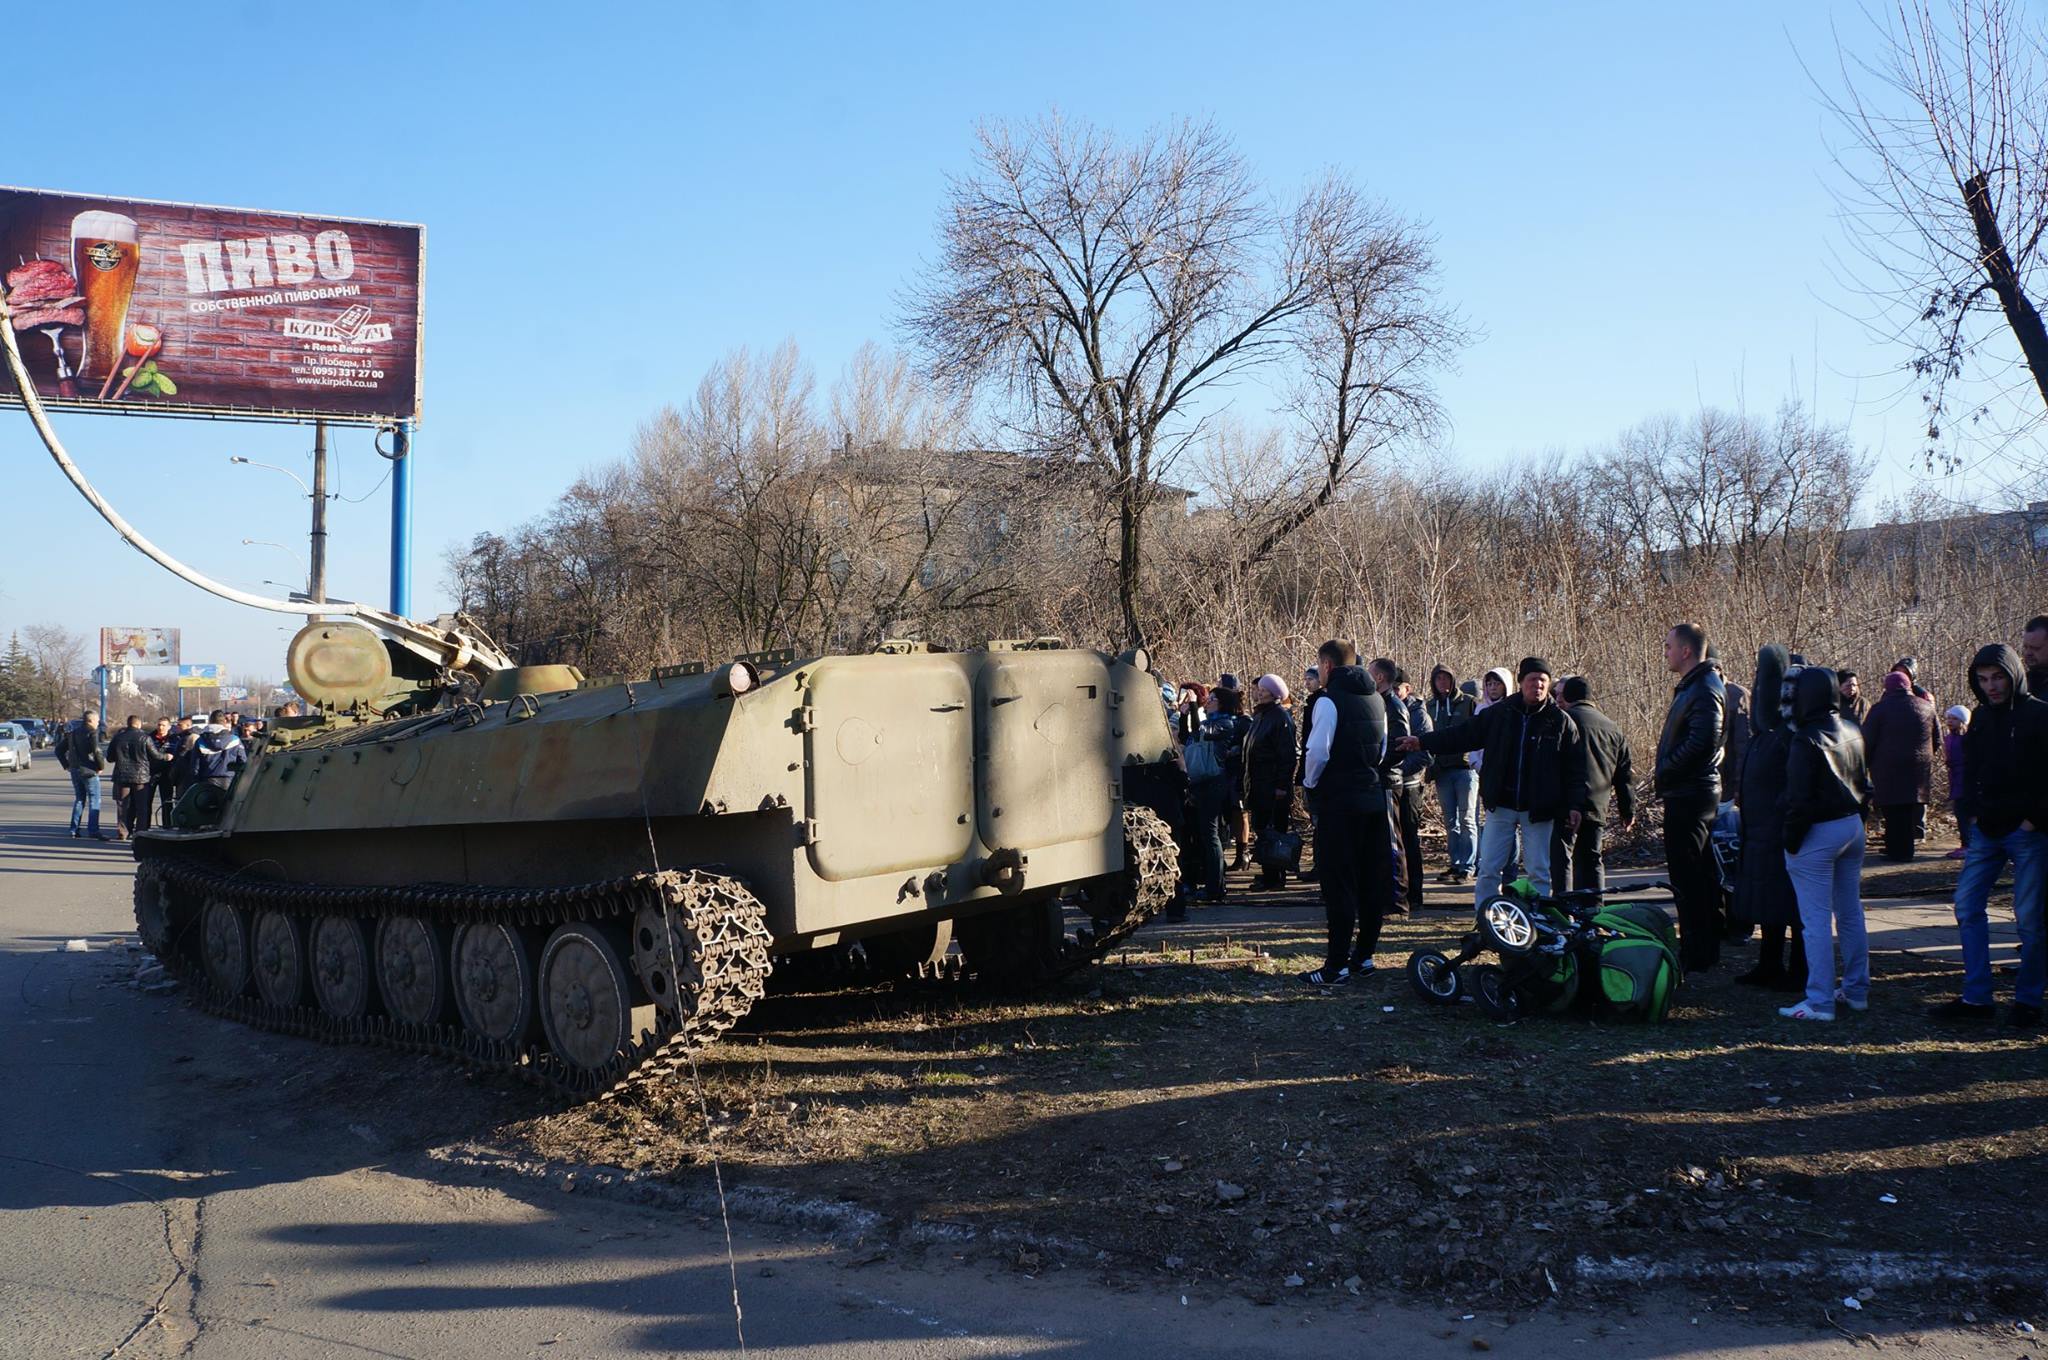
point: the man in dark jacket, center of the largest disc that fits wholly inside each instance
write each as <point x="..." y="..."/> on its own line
<point x="1532" y="773"/>
<point x="2004" y="754"/>
<point x="1407" y="779"/>
<point x="164" y="742"/>
<point x="1764" y="894"/>
<point x="2034" y="652"/>
<point x="1688" y="779"/>
<point x="83" y="755"/>
<point x="134" y="761"/>
<point x="1347" y="750"/>
<point x="1457" y="784"/>
<point x="1610" y="773"/>
<point x="220" y="752"/>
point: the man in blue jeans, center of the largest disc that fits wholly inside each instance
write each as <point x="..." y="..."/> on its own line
<point x="2004" y="754"/>
<point x="1457" y="783"/>
<point x="83" y="755"/>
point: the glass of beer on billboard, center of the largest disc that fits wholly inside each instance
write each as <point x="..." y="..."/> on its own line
<point x="106" y="257"/>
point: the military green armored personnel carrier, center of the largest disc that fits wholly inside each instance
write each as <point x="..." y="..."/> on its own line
<point x="585" y="881"/>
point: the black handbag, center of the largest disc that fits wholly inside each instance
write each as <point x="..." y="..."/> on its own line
<point x="1276" y="849"/>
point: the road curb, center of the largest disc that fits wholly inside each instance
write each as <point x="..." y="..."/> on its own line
<point x="1876" y="1269"/>
<point x="842" y="1223"/>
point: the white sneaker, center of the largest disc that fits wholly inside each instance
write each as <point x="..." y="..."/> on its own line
<point x="1842" y="999"/>
<point x="1804" y="1011"/>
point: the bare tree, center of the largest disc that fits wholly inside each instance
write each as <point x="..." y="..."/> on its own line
<point x="1370" y="344"/>
<point x="59" y="657"/>
<point x="1945" y="195"/>
<point x="1105" y="288"/>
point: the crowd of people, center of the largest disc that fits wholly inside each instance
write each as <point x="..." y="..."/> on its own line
<point x="149" y="769"/>
<point x="1528" y="775"/>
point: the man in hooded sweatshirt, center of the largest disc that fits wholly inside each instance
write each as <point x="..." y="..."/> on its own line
<point x="1534" y="773"/>
<point x="2004" y="753"/>
<point x="1342" y="770"/>
<point x="220" y="752"/>
<point x="1457" y="783"/>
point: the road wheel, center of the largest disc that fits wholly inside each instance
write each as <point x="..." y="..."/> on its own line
<point x="224" y="946"/>
<point x="1498" y="997"/>
<point x="280" y="948"/>
<point x="586" y="1004"/>
<point x="340" y="949"/>
<point x="492" y="971"/>
<point x="412" y="969"/>
<point x="1433" y="978"/>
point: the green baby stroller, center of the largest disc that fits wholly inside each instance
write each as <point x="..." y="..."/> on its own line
<point x="1619" y="960"/>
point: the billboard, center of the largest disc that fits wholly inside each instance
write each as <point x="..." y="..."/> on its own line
<point x="167" y="308"/>
<point x="138" y="646"/>
<point x="204" y="676"/>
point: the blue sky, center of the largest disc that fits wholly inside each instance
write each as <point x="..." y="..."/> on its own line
<point x="1631" y="201"/>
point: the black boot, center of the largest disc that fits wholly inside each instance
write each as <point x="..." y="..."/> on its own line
<point x="1793" y="979"/>
<point x="1770" y="959"/>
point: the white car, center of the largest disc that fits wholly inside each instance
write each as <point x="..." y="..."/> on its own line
<point x="14" y="747"/>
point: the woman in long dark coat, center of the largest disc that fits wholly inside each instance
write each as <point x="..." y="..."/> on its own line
<point x="1269" y="766"/>
<point x="1763" y="890"/>
<point x="1901" y="736"/>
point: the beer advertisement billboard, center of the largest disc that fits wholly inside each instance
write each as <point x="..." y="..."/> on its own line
<point x="139" y="307"/>
<point x="138" y="646"/>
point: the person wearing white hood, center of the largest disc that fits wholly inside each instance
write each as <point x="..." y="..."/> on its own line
<point x="1494" y="686"/>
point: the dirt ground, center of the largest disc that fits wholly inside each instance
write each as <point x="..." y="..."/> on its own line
<point x="1216" y="1121"/>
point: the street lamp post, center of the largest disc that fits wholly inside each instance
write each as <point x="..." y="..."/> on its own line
<point x="316" y="571"/>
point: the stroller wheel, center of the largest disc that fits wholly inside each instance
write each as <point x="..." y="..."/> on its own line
<point x="1498" y="997"/>
<point x="1433" y="978"/>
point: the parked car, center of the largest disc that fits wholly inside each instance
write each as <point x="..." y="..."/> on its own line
<point x="39" y="733"/>
<point x="14" y="747"/>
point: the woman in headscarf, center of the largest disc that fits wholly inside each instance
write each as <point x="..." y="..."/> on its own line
<point x="1901" y="736"/>
<point x="1269" y="769"/>
<point x="1763" y="889"/>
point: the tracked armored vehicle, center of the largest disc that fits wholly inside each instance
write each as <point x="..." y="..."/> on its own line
<point x="584" y="882"/>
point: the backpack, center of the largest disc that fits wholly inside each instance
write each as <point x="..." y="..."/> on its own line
<point x="1204" y="761"/>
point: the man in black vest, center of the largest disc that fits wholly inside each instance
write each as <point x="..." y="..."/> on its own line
<point x="1688" y="778"/>
<point x="1347" y="747"/>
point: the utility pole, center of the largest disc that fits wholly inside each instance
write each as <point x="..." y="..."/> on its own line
<point x="316" y="577"/>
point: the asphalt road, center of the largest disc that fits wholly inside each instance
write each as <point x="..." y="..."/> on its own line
<point x="171" y="1184"/>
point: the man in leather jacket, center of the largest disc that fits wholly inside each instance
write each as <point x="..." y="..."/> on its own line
<point x="1688" y="779"/>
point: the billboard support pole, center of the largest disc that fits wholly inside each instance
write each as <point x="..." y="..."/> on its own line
<point x="316" y="572"/>
<point x="99" y="673"/>
<point x="401" y="520"/>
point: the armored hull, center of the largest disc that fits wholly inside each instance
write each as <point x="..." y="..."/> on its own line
<point x="584" y="886"/>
